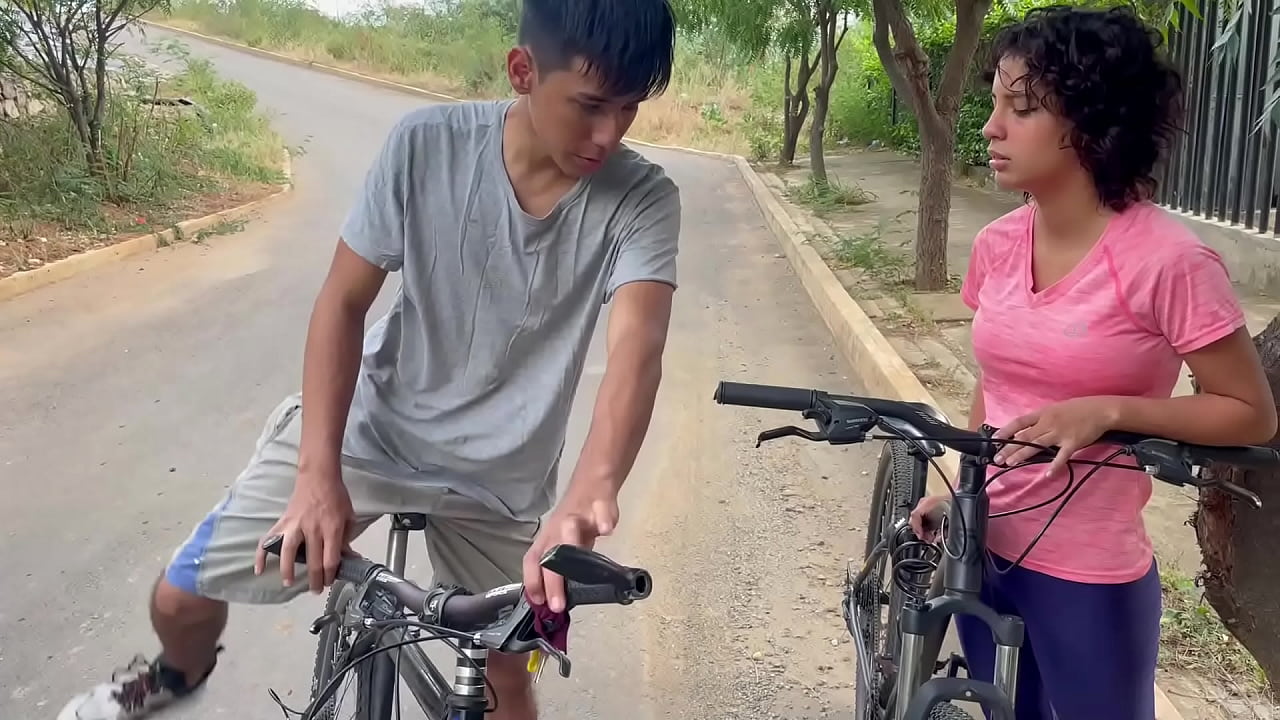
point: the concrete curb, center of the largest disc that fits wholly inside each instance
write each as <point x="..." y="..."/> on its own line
<point x="28" y="280"/>
<point x="866" y="348"/>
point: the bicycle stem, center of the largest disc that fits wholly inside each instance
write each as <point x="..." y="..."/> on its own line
<point x="968" y="518"/>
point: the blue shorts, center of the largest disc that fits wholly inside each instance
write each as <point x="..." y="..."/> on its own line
<point x="1090" y="649"/>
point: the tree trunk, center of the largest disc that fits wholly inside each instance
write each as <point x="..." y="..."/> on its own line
<point x="907" y="66"/>
<point x="828" y="65"/>
<point x="1237" y="543"/>
<point x="817" y="129"/>
<point x="796" y="108"/>
<point x="936" y="150"/>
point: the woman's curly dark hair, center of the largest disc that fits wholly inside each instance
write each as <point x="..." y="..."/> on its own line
<point x="1103" y="71"/>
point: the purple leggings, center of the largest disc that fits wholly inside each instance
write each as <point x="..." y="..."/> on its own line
<point x="1090" y="650"/>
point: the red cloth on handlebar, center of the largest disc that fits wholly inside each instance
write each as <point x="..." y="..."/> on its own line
<point x="551" y="626"/>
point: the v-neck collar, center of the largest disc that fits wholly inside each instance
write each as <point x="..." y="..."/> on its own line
<point x="509" y="189"/>
<point x="1073" y="277"/>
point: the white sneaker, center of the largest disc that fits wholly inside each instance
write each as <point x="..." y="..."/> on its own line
<point x="135" y="692"/>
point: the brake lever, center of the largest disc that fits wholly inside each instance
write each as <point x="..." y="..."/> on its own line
<point x="1244" y="494"/>
<point x="561" y="659"/>
<point x="787" y="431"/>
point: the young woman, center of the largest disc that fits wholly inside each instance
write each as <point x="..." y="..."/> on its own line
<point x="1088" y="299"/>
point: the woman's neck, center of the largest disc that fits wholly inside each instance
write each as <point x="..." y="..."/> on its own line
<point x="1069" y="212"/>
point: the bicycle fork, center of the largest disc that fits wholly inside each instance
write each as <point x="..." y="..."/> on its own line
<point x="961" y="595"/>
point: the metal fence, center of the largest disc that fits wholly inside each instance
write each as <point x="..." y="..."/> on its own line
<point x="1223" y="167"/>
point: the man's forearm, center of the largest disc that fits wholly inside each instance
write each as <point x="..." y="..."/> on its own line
<point x="330" y="362"/>
<point x="623" y="409"/>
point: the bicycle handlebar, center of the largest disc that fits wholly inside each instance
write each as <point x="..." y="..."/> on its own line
<point x="590" y="579"/>
<point x="847" y="418"/>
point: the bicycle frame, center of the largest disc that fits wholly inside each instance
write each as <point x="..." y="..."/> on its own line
<point x="923" y="626"/>
<point x="466" y="699"/>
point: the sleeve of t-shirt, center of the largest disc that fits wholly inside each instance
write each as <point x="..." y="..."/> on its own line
<point x="374" y="227"/>
<point x="976" y="273"/>
<point x="649" y="245"/>
<point x="1193" y="301"/>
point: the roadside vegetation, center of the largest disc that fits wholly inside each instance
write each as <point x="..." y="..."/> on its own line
<point x="722" y="97"/>
<point x="166" y="146"/>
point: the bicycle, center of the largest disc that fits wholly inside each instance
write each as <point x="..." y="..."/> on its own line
<point x="891" y="684"/>
<point x="371" y="602"/>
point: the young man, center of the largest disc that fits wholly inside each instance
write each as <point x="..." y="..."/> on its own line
<point x="511" y="223"/>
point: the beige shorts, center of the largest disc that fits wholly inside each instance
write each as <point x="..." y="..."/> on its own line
<point x="468" y="544"/>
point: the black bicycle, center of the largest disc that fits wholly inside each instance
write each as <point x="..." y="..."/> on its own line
<point x="894" y="661"/>
<point x="366" y="628"/>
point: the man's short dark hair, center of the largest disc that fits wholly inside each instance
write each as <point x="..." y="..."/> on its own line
<point x="628" y="44"/>
<point x="1104" y="71"/>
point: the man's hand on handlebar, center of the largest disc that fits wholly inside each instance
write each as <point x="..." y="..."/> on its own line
<point x="1071" y="425"/>
<point x="578" y="520"/>
<point x="320" y="514"/>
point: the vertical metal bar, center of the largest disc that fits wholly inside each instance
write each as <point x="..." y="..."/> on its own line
<point x="1221" y="179"/>
<point x="1188" y="41"/>
<point x="1006" y="671"/>
<point x="908" y="672"/>
<point x="397" y="548"/>
<point x="1241" y="102"/>
<point x="1269" y="147"/>
<point x="1255" y="53"/>
<point x="1203" y="71"/>
<point x="1168" y="191"/>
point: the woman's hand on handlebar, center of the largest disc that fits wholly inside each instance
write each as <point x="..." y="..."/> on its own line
<point x="926" y="518"/>
<point x="1070" y="425"/>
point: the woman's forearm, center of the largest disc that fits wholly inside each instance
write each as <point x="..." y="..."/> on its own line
<point x="1203" y="418"/>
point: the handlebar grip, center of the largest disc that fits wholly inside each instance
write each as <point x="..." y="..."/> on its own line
<point x="774" y="397"/>
<point x="1253" y="456"/>
<point x="606" y="594"/>
<point x="350" y="569"/>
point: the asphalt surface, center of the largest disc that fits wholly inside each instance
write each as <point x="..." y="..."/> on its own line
<point x="131" y="396"/>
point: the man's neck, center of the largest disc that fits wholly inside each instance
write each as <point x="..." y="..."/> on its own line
<point x="530" y="168"/>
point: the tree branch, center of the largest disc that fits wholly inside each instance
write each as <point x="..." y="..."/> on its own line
<point x="969" y="14"/>
<point x="38" y="82"/>
<point x="906" y="64"/>
<point x="843" y="32"/>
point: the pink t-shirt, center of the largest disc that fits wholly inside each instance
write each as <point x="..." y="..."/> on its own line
<point x="1148" y="292"/>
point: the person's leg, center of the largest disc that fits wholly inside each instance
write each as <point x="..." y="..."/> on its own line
<point x="479" y="554"/>
<point x="212" y="567"/>
<point x="978" y="645"/>
<point x="1096" y="644"/>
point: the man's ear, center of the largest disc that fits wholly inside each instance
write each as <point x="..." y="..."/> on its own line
<point x="520" y="70"/>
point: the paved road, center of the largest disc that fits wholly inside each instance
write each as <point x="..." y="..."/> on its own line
<point x="131" y="397"/>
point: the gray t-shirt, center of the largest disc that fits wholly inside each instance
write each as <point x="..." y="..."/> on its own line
<point x="468" y="380"/>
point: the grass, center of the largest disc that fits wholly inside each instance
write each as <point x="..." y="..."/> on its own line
<point x="830" y="194"/>
<point x="1194" y="640"/>
<point x="164" y="163"/>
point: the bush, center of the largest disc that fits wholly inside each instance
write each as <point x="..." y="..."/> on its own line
<point x="156" y="156"/>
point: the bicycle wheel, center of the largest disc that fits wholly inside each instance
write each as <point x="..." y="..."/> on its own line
<point x="338" y="646"/>
<point x="899" y="484"/>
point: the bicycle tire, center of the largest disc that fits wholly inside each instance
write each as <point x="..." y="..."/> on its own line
<point x="897" y="489"/>
<point x="329" y="659"/>
<point x="948" y="711"/>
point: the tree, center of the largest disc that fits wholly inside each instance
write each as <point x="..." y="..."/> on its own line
<point x="793" y="28"/>
<point x="63" y="47"/>
<point x="907" y="66"/>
